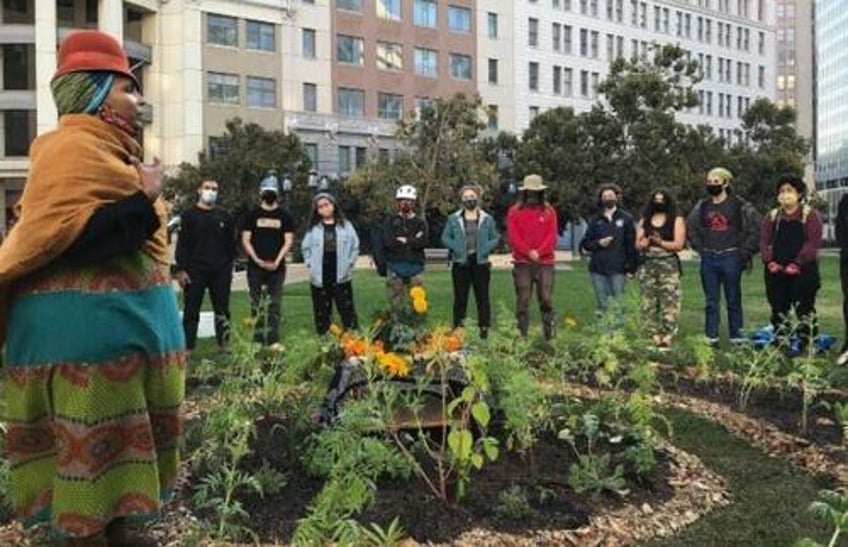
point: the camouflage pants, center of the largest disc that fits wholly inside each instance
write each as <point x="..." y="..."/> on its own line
<point x="397" y="290"/>
<point x="659" y="279"/>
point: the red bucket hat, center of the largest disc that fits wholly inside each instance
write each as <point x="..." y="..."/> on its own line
<point x="92" y="50"/>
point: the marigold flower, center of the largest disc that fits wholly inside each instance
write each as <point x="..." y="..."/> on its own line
<point x="417" y="292"/>
<point x="393" y="364"/>
<point x="570" y="321"/>
<point x="352" y="345"/>
<point x="419" y="305"/>
<point x="452" y="342"/>
<point x="336" y="330"/>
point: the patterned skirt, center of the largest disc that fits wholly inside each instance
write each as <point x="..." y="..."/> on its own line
<point x="92" y="388"/>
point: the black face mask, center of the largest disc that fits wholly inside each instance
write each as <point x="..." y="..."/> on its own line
<point x="470" y="204"/>
<point x="533" y="198"/>
<point x="269" y="197"/>
<point x="609" y="203"/>
<point x="659" y="207"/>
<point x="715" y="189"/>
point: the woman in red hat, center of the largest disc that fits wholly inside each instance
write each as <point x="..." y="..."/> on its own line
<point x="94" y="349"/>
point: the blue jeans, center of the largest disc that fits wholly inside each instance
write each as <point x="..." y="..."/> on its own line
<point x="717" y="271"/>
<point x="606" y="286"/>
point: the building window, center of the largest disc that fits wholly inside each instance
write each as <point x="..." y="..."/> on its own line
<point x="584" y="83"/>
<point x="390" y="106"/>
<point x="18" y="66"/>
<point x="426" y="62"/>
<point x="557" y="80"/>
<point x="349" y="5"/>
<point x="388" y="9"/>
<point x="221" y="30"/>
<point x="217" y="148"/>
<point x="596" y="77"/>
<point x="425" y="13"/>
<point x="459" y="19"/>
<point x="310" y="97"/>
<point x="492" y="115"/>
<point x="534" y="111"/>
<point x="351" y="102"/>
<point x="311" y="151"/>
<point x="222" y="88"/>
<point x="460" y="66"/>
<point x="761" y="43"/>
<point x="761" y="77"/>
<point x="344" y="159"/>
<point x="533" y="76"/>
<point x="593" y="44"/>
<point x="556" y="36"/>
<point x="566" y="39"/>
<point x="422" y="104"/>
<point x="261" y="36"/>
<point x="361" y="156"/>
<point x="308" y="43"/>
<point x="493" y="71"/>
<point x="350" y="49"/>
<point x="567" y="86"/>
<point x="261" y="92"/>
<point x="532" y="32"/>
<point x="19" y="130"/>
<point x="389" y="56"/>
<point x="492" y="25"/>
<point x="584" y="42"/>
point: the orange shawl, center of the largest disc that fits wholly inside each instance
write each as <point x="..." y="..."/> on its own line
<point x="74" y="170"/>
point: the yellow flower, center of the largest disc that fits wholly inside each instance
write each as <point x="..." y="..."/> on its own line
<point x="570" y="321"/>
<point x="393" y="364"/>
<point x="336" y="330"/>
<point x="417" y="293"/>
<point x="419" y="305"/>
<point x="248" y="321"/>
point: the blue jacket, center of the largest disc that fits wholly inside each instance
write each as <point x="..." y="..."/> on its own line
<point x="347" y="251"/>
<point x="620" y="256"/>
<point x="453" y="237"/>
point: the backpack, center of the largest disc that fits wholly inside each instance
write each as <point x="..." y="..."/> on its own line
<point x="378" y="250"/>
<point x="805" y="212"/>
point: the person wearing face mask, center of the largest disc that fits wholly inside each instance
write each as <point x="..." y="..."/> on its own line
<point x="267" y="238"/>
<point x="206" y="249"/>
<point x="790" y="239"/>
<point x="470" y="235"/>
<point x="404" y="238"/>
<point x="724" y="230"/>
<point x="94" y="366"/>
<point x="532" y="231"/>
<point x="611" y="239"/>
<point x="660" y="235"/>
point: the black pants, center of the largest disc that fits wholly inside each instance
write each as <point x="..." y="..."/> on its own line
<point x="322" y="305"/>
<point x="798" y="292"/>
<point x="843" y="275"/>
<point x="218" y="282"/>
<point x="466" y="276"/>
<point x="266" y="291"/>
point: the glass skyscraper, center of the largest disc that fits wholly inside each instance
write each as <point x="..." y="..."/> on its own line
<point x="831" y="100"/>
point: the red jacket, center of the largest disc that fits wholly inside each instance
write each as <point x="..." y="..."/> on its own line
<point x="532" y="228"/>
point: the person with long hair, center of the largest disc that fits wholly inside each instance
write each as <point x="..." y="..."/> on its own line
<point x="532" y="234"/>
<point x="95" y="353"/>
<point x="470" y="234"/>
<point x="660" y="236"/>
<point x="330" y="249"/>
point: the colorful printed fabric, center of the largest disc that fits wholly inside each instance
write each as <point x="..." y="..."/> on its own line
<point x="93" y="384"/>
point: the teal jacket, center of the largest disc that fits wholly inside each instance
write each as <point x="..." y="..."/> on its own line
<point x="453" y="238"/>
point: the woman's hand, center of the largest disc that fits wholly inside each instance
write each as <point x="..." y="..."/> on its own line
<point x="152" y="175"/>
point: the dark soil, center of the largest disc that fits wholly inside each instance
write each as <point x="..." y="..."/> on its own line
<point x="782" y="408"/>
<point x="542" y="478"/>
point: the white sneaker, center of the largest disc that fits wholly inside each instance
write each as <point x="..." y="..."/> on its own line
<point x="738" y="341"/>
<point x="842" y="359"/>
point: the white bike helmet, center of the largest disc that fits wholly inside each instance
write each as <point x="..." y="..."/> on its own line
<point x="406" y="191"/>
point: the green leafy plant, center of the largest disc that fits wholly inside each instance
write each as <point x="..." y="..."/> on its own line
<point x="809" y="375"/>
<point x="513" y="504"/>
<point x="593" y="472"/>
<point x="840" y="411"/>
<point x="831" y="506"/>
<point x="758" y="370"/>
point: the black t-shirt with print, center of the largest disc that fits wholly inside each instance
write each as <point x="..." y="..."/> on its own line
<point x="267" y="231"/>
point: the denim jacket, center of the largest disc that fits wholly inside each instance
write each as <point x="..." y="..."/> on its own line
<point x="347" y="251"/>
<point x="453" y="238"/>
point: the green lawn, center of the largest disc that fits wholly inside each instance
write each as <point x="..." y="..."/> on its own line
<point x="573" y="296"/>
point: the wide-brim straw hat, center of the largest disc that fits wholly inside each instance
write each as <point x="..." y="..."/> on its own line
<point x="533" y="183"/>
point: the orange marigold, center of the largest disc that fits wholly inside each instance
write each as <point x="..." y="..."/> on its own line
<point x="452" y="342"/>
<point x="393" y="364"/>
<point x="352" y="345"/>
